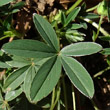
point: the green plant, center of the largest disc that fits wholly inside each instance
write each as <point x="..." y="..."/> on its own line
<point x="40" y="65"/>
<point x="6" y="11"/>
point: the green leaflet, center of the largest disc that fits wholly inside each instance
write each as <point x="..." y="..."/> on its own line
<point x="106" y="51"/>
<point x="12" y="94"/>
<point x="46" y="31"/>
<point x="15" y="79"/>
<point x="18" y="61"/>
<point x="90" y="16"/>
<point x="28" y="48"/>
<point x="30" y="74"/>
<point x="72" y="16"/>
<point x="81" y="49"/>
<point x="4" y="2"/>
<point x="78" y="76"/>
<point x="46" y="79"/>
<point x="1" y="98"/>
<point x="4" y="65"/>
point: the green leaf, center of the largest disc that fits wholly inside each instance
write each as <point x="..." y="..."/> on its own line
<point x="46" y="31"/>
<point x="102" y="8"/>
<point x="1" y="97"/>
<point x="18" y="61"/>
<point x="81" y="49"/>
<point x="78" y="76"/>
<point x="106" y="51"/>
<point x="104" y="38"/>
<point x="72" y="16"/>
<point x="75" y="26"/>
<point x="4" y="65"/>
<point x="108" y="10"/>
<point x="18" y="5"/>
<point x="12" y="94"/>
<point x="15" y="79"/>
<point x="90" y="16"/>
<point x="4" y="2"/>
<point x="46" y="79"/>
<point x="63" y="18"/>
<point x="30" y="74"/>
<point x="28" y="48"/>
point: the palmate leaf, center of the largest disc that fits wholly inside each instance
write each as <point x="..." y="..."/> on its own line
<point x="28" y="48"/>
<point x="46" y="31"/>
<point x="81" y="49"/>
<point x="45" y="79"/>
<point x="78" y="76"/>
<point x="15" y="79"/>
<point x="4" y="2"/>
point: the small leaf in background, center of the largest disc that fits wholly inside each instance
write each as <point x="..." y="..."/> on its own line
<point x="84" y="24"/>
<point x="28" y="48"/>
<point x="94" y="36"/>
<point x="102" y="8"/>
<point x="78" y="76"/>
<point x="10" y="95"/>
<point x="4" y="2"/>
<point x="108" y="60"/>
<point x="46" y="31"/>
<point x="106" y="51"/>
<point x="75" y="26"/>
<point x="81" y="49"/>
<point x="15" y="79"/>
<point x="108" y="10"/>
<point x="1" y="97"/>
<point x="18" y="5"/>
<point x="74" y="38"/>
<point x="104" y="38"/>
<point x="46" y="79"/>
<point x="7" y="22"/>
<point x="90" y="16"/>
<point x="72" y="16"/>
<point x="63" y="18"/>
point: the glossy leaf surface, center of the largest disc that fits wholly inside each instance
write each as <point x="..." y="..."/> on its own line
<point x="81" y="49"/>
<point x="28" y="48"/>
<point x="46" y="79"/>
<point x="78" y="76"/>
<point x="46" y="31"/>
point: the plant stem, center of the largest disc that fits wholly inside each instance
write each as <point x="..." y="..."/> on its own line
<point x="105" y="33"/>
<point x="65" y="93"/>
<point x="58" y="96"/>
<point x="73" y="6"/>
<point x="74" y="98"/>
<point x="91" y="9"/>
<point x="101" y="72"/>
<point x="100" y="21"/>
<point x="95" y="107"/>
<point x="53" y="99"/>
